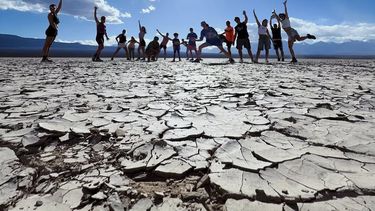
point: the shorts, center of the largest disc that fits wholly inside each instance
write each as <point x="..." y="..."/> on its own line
<point x="142" y="43"/>
<point x="100" y="39"/>
<point x="292" y="33"/>
<point x="192" y="47"/>
<point x="277" y="44"/>
<point x="176" y="48"/>
<point x="264" y="43"/>
<point x="229" y="44"/>
<point x="51" y="32"/>
<point x="121" y="45"/>
<point x="243" y="43"/>
<point x="215" y="42"/>
<point x="163" y="47"/>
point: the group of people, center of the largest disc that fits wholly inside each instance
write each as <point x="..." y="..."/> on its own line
<point x="238" y="34"/>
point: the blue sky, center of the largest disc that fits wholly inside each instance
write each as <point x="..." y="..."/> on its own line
<point x="330" y="20"/>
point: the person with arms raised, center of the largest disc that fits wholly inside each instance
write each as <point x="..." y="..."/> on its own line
<point x="101" y="31"/>
<point x="52" y="30"/>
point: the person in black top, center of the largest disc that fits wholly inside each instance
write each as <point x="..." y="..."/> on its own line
<point x="242" y="37"/>
<point x="277" y="40"/>
<point x="176" y="47"/>
<point x="100" y="33"/>
<point x="121" y="40"/>
<point x="153" y="49"/>
<point x="51" y="31"/>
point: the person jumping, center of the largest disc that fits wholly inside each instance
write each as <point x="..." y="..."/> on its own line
<point x="293" y="35"/>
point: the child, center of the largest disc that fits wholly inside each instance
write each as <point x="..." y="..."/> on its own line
<point x="131" y="47"/>
<point x="153" y="49"/>
<point x="184" y="43"/>
<point x="264" y="38"/>
<point x="121" y="40"/>
<point x="100" y="33"/>
<point x="176" y="47"/>
<point x="277" y="40"/>
<point x="293" y="35"/>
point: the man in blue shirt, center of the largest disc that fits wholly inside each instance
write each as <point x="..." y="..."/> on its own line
<point x="212" y="39"/>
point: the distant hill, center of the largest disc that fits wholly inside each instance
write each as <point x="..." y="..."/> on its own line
<point x="15" y="46"/>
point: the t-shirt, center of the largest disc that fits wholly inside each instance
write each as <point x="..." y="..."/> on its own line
<point x="122" y="38"/>
<point x="276" y="33"/>
<point x="262" y="30"/>
<point x="176" y="42"/>
<point x="229" y="34"/>
<point x="192" y="37"/>
<point x="241" y="30"/>
<point x="210" y="34"/>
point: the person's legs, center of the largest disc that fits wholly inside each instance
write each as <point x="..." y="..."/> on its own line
<point x="139" y="52"/>
<point x="282" y="54"/>
<point x="178" y="52"/>
<point x="115" y="53"/>
<point x="126" y="53"/>
<point x="229" y="46"/>
<point x="165" y="53"/>
<point x="257" y="56"/>
<point x="290" y="45"/>
<point x="277" y="54"/>
<point x="224" y="51"/>
<point x="199" y="53"/>
<point x="299" y="38"/>
<point x="174" y="55"/>
<point x="47" y="45"/>
<point x="267" y="55"/>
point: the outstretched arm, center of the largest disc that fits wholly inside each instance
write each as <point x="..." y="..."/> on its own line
<point x="160" y="33"/>
<point x="246" y="18"/>
<point x="271" y="25"/>
<point x="96" y="18"/>
<point x="139" y="24"/>
<point x="286" y="9"/>
<point x="59" y="7"/>
<point x="256" y="18"/>
<point x="276" y="16"/>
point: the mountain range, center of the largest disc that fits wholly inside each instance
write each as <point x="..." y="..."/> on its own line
<point x="15" y="46"/>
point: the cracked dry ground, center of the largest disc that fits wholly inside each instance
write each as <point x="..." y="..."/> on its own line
<point x="77" y="135"/>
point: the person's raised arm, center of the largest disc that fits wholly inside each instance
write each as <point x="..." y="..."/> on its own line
<point x="286" y="9"/>
<point x="160" y="33"/>
<point x="276" y="16"/>
<point x="246" y="18"/>
<point x="59" y="7"/>
<point x="256" y="18"/>
<point x="95" y="16"/>
<point x="139" y="24"/>
<point x="271" y="22"/>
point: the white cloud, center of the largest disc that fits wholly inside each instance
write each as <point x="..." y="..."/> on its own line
<point x="148" y="9"/>
<point x="82" y="9"/>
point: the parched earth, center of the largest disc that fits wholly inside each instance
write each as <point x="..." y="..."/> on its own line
<point x="163" y="136"/>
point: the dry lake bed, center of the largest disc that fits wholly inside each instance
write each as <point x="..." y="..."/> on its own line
<point x="163" y="136"/>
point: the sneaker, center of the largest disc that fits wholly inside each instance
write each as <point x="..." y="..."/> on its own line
<point x="312" y="37"/>
<point x="241" y="60"/>
<point x="278" y="59"/>
<point x="231" y="61"/>
<point x="197" y="61"/>
<point x="98" y="60"/>
<point x="112" y="59"/>
<point x="294" y="60"/>
<point x="283" y="60"/>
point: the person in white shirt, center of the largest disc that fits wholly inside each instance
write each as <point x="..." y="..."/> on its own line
<point x="293" y="35"/>
<point x="264" y="42"/>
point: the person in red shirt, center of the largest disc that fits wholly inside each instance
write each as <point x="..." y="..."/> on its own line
<point x="229" y="36"/>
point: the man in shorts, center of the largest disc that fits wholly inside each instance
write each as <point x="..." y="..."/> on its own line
<point x="212" y="39"/>
<point x="277" y="40"/>
<point x="192" y="44"/>
<point x="242" y="37"/>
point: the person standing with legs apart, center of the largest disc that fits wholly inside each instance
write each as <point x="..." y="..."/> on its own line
<point x="121" y="40"/>
<point x="142" y="42"/>
<point x="101" y="31"/>
<point x="293" y="35"/>
<point x="277" y="40"/>
<point x="212" y="39"/>
<point x="264" y="42"/>
<point x="242" y="37"/>
<point x="164" y="43"/>
<point x="52" y="30"/>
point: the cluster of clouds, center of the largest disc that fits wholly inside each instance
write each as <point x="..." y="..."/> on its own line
<point x="80" y="9"/>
